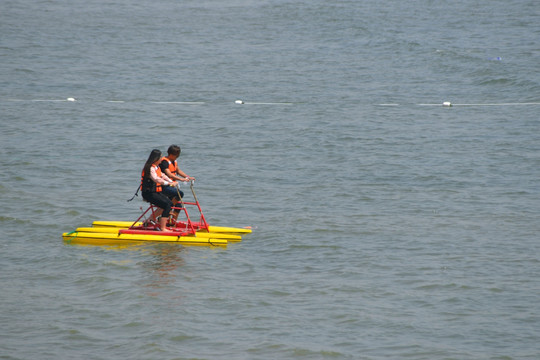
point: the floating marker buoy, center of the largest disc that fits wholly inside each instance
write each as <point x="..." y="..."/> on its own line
<point x="71" y="99"/>
<point x="238" y="102"/>
<point x="447" y="103"/>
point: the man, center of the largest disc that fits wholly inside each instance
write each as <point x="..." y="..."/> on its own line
<point x="169" y="166"/>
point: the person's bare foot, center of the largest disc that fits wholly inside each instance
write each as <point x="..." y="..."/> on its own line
<point x="163" y="224"/>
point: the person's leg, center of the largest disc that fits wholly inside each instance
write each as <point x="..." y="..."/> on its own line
<point x="172" y="193"/>
<point x="163" y="223"/>
<point x="162" y="202"/>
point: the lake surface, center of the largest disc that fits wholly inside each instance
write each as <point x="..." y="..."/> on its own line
<point x="385" y="225"/>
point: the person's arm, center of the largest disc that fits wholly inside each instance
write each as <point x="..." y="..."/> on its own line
<point x="183" y="174"/>
<point x="163" y="180"/>
<point x="173" y="176"/>
<point x="165" y="170"/>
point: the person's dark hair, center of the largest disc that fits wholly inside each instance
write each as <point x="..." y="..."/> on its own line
<point x="154" y="156"/>
<point x="174" y="150"/>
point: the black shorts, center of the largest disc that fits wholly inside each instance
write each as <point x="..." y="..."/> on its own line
<point x="160" y="200"/>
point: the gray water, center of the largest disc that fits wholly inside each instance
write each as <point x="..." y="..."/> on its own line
<point x="386" y="226"/>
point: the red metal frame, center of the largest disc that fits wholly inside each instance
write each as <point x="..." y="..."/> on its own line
<point x="180" y="227"/>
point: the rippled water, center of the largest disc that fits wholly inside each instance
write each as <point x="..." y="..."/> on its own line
<point x="386" y="226"/>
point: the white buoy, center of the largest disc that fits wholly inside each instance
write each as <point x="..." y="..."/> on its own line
<point x="238" y="102"/>
<point x="447" y="103"/>
<point x="71" y="99"/>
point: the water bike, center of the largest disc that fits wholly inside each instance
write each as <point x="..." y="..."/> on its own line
<point x="182" y="228"/>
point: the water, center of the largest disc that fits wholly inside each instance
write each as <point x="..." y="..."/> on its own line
<point x="385" y="227"/>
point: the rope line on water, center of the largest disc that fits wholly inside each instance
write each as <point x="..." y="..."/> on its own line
<point x="241" y="102"/>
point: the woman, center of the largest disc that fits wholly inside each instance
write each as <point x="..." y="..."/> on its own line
<point x="151" y="182"/>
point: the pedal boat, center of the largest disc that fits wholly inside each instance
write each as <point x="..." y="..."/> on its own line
<point x="145" y="229"/>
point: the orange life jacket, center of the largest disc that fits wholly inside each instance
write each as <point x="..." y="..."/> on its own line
<point x="150" y="184"/>
<point x="173" y="165"/>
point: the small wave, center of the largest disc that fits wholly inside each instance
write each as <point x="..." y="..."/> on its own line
<point x="499" y="81"/>
<point x="8" y="219"/>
